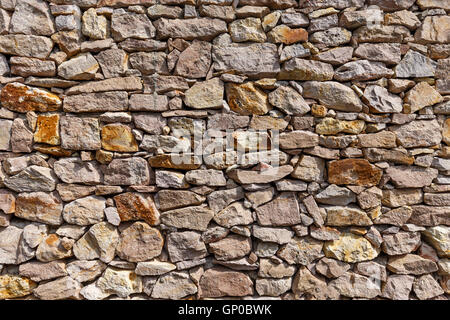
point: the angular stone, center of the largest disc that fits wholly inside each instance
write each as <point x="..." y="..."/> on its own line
<point x="354" y="285"/>
<point x="132" y="206"/>
<point x="60" y="289"/>
<point x="194" y="218"/>
<point x="331" y="126"/>
<point x="301" y="251"/>
<point x="83" y="270"/>
<point x="331" y="268"/>
<point x="33" y="178"/>
<point x="426" y="287"/>
<point x="298" y="139"/>
<point x="398" y="287"/>
<point x="267" y="176"/>
<point x="32" y="17"/>
<point x="221" y="282"/>
<point x="21" y="98"/>
<point x="302" y="69"/>
<point x="283" y="211"/>
<point x="204" y="95"/>
<point x="139" y="242"/>
<point x="98" y="243"/>
<point x="421" y="96"/>
<point x="118" y="137"/>
<point x="120" y="26"/>
<point x="81" y="67"/>
<point x="276" y="235"/>
<point x="85" y="211"/>
<point x="97" y="102"/>
<point x="54" y="247"/>
<point x="286" y="35"/>
<point x="388" y="53"/>
<point x="362" y="70"/>
<point x="220" y="199"/>
<point x="332" y="37"/>
<point x="10" y="238"/>
<point x="439" y="238"/>
<point x="12" y="286"/>
<point x="434" y="29"/>
<point x="269" y="269"/>
<point x="41" y="271"/>
<point x="235" y="214"/>
<point x="173" y="199"/>
<point x="272" y="287"/>
<point x="381" y="101"/>
<point x="411" y="264"/>
<point x="184" y="246"/>
<point x="47" y="129"/>
<point x="335" y="195"/>
<point x="174" y="161"/>
<point x="347" y="216"/>
<point x="309" y="169"/>
<point x="154" y="268"/>
<point x="5" y="134"/>
<point x="416" y="65"/>
<point x="194" y="61"/>
<point x="26" y="45"/>
<point x="131" y="171"/>
<point x="411" y="177"/>
<point x="175" y="285"/>
<point x="249" y="29"/>
<point x="7" y="202"/>
<point x="333" y="95"/>
<point x="25" y="67"/>
<point x="73" y="170"/>
<point x="246" y="99"/>
<point x="350" y="248"/>
<point x="190" y="29"/>
<point x="401" y="197"/>
<point x="119" y="282"/>
<point x="111" y="84"/>
<point x="419" y="133"/>
<point x="353" y="171"/>
<point x="289" y="100"/>
<point x="94" y="26"/>
<point x="40" y="207"/>
<point x="252" y="60"/>
<point x="231" y="247"/>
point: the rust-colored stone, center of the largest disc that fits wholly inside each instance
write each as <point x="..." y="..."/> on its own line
<point x="21" y="98"/>
<point x="53" y="150"/>
<point x="181" y="162"/>
<point x="246" y="99"/>
<point x="353" y="171"/>
<point x="286" y="35"/>
<point x="47" y="129"/>
<point x="132" y="206"/>
<point x="12" y="286"/>
<point x="118" y="137"/>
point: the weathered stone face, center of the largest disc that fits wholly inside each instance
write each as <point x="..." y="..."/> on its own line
<point x="251" y="149"/>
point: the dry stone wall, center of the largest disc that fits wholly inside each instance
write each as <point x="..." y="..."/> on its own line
<point x="215" y="148"/>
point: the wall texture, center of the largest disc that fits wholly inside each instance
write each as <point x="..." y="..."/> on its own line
<point x="340" y="107"/>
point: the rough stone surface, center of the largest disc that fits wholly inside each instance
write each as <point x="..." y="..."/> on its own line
<point x="251" y="149"/>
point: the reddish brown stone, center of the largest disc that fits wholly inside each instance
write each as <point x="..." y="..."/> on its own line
<point x="132" y="206"/>
<point x="220" y="282"/>
<point x="353" y="171"/>
<point x="21" y="98"/>
<point x="166" y="161"/>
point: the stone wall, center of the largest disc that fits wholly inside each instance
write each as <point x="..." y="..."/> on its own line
<point x="334" y="182"/>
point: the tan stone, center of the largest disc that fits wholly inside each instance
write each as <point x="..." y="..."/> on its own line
<point x="421" y="96"/>
<point x="330" y="126"/>
<point x="118" y="137"/>
<point x="350" y="248"/>
<point x="221" y="282"/>
<point x="246" y="99"/>
<point x="286" y="35"/>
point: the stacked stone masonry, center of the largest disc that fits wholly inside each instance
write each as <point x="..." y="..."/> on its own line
<point x="94" y="94"/>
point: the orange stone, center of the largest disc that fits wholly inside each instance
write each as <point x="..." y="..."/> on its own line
<point x="132" y="207"/>
<point x="47" y="129"/>
<point x="118" y="137"/>
<point x="53" y="150"/>
<point x="22" y="98"/>
<point x="246" y="99"/>
<point x="353" y="171"/>
<point x="286" y="35"/>
<point x="181" y="162"/>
